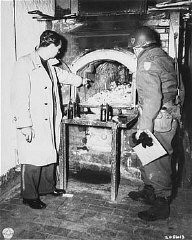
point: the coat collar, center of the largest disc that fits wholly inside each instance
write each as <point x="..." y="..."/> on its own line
<point x="146" y="50"/>
<point x="37" y="61"/>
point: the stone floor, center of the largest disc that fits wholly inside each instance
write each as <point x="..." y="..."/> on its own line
<point x="87" y="213"/>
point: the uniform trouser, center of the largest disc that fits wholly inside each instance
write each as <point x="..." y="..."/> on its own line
<point x="37" y="180"/>
<point x="158" y="173"/>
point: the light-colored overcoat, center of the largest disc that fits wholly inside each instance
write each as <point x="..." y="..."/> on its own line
<point x="32" y="98"/>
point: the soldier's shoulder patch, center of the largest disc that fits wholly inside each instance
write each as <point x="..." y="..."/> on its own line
<point x="147" y="65"/>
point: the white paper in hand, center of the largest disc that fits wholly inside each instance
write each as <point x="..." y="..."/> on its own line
<point x="149" y="154"/>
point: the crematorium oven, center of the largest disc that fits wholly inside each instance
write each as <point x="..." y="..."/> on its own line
<point x="98" y="115"/>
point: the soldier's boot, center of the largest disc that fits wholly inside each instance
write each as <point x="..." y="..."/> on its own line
<point x="146" y="195"/>
<point x="160" y="210"/>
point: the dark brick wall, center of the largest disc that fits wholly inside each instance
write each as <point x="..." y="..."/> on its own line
<point x="97" y="33"/>
<point x="108" y="32"/>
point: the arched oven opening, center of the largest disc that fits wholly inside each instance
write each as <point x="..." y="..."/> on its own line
<point x="111" y="81"/>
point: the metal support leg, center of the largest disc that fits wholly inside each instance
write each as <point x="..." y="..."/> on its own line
<point x="65" y="154"/>
<point x="63" y="158"/>
<point x="114" y="163"/>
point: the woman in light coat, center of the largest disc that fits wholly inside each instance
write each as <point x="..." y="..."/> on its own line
<point x="37" y="114"/>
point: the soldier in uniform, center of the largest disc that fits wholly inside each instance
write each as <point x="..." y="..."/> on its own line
<point x="156" y="84"/>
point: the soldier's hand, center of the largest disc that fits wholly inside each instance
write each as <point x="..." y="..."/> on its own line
<point x="145" y="139"/>
<point x="29" y="133"/>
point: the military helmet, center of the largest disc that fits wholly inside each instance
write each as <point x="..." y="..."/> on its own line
<point x="144" y="37"/>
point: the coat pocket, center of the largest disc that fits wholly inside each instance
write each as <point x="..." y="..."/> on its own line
<point x="163" y="121"/>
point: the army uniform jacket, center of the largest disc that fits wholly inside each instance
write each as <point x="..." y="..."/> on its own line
<point x="35" y="102"/>
<point x="156" y="84"/>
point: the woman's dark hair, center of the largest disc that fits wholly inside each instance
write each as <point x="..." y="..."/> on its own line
<point x="48" y="37"/>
